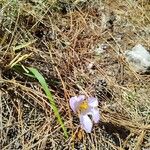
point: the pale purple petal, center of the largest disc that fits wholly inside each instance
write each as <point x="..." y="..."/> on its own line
<point x="86" y="123"/>
<point x="92" y="101"/>
<point x="73" y="103"/>
<point x="95" y="115"/>
<point x="81" y="98"/>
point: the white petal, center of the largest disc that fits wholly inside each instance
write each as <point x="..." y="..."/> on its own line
<point x="86" y="123"/>
<point x="81" y="98"/>
<point x="92" y="101"/>
<point x="73" y="103"/>
<point x="95" y="115"/>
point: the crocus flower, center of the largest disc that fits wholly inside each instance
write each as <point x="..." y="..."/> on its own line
<point x="85" y="107"/>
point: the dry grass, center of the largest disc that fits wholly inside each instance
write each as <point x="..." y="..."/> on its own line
<point x="58" y="38"/>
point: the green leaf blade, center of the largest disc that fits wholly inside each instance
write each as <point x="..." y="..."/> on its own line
<point x="43" y="83"/>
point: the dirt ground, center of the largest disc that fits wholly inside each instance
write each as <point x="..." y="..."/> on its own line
<point x="78" y="46"/>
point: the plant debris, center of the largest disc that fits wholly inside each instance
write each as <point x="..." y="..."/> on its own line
<point x="61" y="38"/>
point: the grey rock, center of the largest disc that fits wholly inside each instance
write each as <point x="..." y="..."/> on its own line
<point x="139" y="58"/>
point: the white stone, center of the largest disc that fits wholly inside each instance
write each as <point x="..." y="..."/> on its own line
<point x="89" y="67"/>
<point x="100" y="49"/>
<point x="138" y="58"/>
